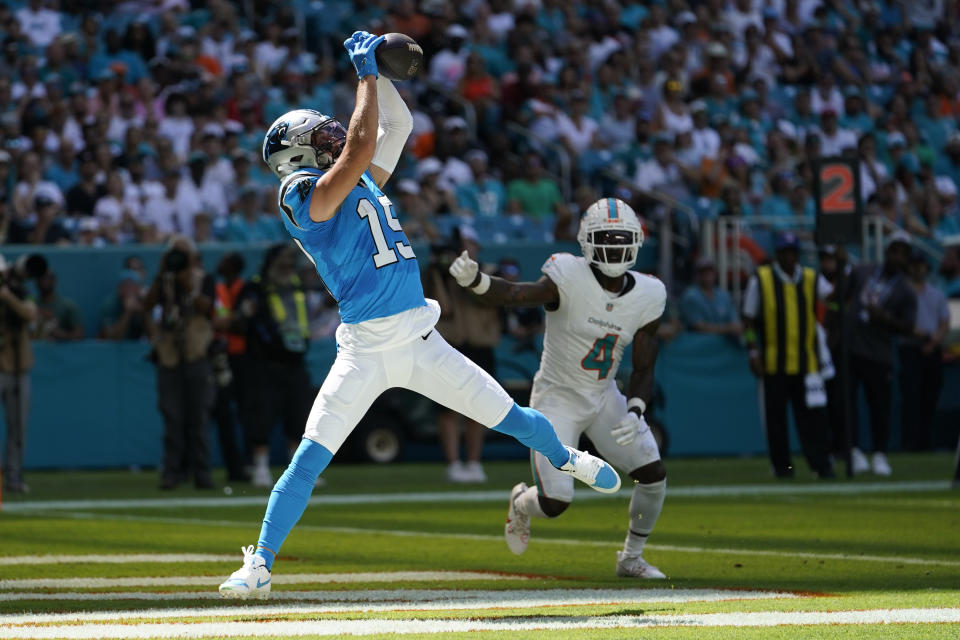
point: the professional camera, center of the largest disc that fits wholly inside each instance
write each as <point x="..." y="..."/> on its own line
<point x="28" y="266"/>
<point x="175" y="261"/>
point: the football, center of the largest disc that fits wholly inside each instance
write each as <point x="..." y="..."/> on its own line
<point x="399" y="57"/>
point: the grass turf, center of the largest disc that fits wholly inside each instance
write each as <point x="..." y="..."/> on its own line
<point x="700" y="542"/>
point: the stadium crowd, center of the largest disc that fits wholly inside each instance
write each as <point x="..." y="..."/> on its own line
<point x="128" y="122"/>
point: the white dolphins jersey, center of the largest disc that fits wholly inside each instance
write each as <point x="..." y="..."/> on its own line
<point x="587" y="334"/>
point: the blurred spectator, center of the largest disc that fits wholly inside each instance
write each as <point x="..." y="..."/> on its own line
<point x="58" y="318"/>
<point x="473" y="328"/>
<point x="162" y="212"/>
<point x="705" y="308"/>
<point x="921" y="357"/>
<point x="41" y="225"/>
<point x="82" y="196"/>
<point x="230" y="366"/>
<point x="273" y="317"/>
<point x="114" y="213"/>
<point x="448" y="65"/>
<point x="882" y="306"/>
<point x="38" y="23"/>
<point x="179" y="304"/>
<point x="451" y="148"/>
<point x="484" y="195"/>
<point x="834" y="140"/>
<point x="121" y="314"/>
<point x="32" y="186"/>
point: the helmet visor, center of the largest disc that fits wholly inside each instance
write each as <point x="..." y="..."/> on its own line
<point x="614" y="246"/>
<point x="328" y="139"/>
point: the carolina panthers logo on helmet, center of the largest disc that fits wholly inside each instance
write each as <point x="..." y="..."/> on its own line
<point x="300" y="139"/>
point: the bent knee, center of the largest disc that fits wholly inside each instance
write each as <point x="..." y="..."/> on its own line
<point x="552" y="507"/>
<point x="650" y="473"/>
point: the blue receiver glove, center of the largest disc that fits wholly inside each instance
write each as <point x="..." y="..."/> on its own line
<point x="361" y="47"/>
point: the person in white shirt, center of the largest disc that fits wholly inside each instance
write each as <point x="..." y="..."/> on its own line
<point x="826" y="96"/>
<point x="269" y="54"/>
<point x="833" y="139"/>
<point x="578" y="131"/>
<point x="706" y="141"/>
<point x="39" y="24"/>
<point x="455" y="171"/>
<point x="741" y="15"/>
<point x="662" y="35"/>
<point x="138" y="189"/>
<point x="177" y="126"/>
<point x="662" y="169"/>
<point x="450" y="63"/>
<point x="199" y="191"/>
<point x="114" y="213"/>
<point x="160" y="215"/>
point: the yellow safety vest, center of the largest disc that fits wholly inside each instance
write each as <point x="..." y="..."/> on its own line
<point x="788" y="322"/>
<point x="294" y="337"/>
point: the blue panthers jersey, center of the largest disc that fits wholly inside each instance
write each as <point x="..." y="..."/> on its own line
<point x="361" y="253"/>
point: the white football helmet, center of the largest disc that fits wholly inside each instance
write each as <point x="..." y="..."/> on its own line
<point x="610" y="236"/>
<point x="300" y="139"/>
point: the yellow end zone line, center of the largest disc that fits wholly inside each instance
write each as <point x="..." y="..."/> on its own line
<point x="931" y="562"/>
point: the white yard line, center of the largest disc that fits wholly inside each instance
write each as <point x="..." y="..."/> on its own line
<point x="281" y="628"/>
<point x="853" y="488"/>
<point x="280" y="579"/>
<point x="116" y="558"/>
<point x="406" y="600"/>
<point x="850" y="557"/>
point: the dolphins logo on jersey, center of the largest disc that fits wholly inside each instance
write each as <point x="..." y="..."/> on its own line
<point x="610" y="236"/>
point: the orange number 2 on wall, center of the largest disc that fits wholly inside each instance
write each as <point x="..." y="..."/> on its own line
<point x="838" y="189"/>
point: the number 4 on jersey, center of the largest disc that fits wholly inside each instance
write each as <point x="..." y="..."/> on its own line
<point x="600" y="358"/>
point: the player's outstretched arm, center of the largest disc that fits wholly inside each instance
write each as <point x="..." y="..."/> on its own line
<point x="395" y="124"/>
<point x="499" y="292"/>
<point x="645" y="349"/>
<point x="335" y="185"/>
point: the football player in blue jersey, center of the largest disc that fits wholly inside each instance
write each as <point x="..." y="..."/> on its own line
<point x="332" y="205"/>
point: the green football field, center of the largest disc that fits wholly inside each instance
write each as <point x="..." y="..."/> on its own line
<point x="390" y="550"/>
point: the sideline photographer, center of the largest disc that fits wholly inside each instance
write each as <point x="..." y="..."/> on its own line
<point x="16" y="360"/>
<point x="181" y="329"/>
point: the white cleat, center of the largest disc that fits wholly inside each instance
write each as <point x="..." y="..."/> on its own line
<point x="591" y="470"/>
<point x="252" y="580"/>
<point x="517" y="529"/>
<point x="880" y="465"/>
<point x="636" y="567"/>
<point x="261" y="477"/>
<point x="474" y="473"/>
<point x="859" y="461"/>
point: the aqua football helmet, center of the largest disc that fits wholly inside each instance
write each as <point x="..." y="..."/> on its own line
<point x="610" y="236"/>
<point x="302" y="139"/>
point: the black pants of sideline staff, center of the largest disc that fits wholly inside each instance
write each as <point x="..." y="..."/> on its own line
<point x="184" y="396"/>
<point x="876" y="378"/>
<point x="921" y="378"/>
<point x="778" y="392"/>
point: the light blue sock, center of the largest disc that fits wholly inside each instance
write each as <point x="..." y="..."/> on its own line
<point x="532" y="428"/>
<point x="289" y="497"/>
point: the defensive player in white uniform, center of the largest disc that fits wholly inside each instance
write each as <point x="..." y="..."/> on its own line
<point x="595" y="308"/>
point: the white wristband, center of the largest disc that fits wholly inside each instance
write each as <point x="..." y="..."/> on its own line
<point x="636" y="403"/>
<point x="483" y="285"/>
